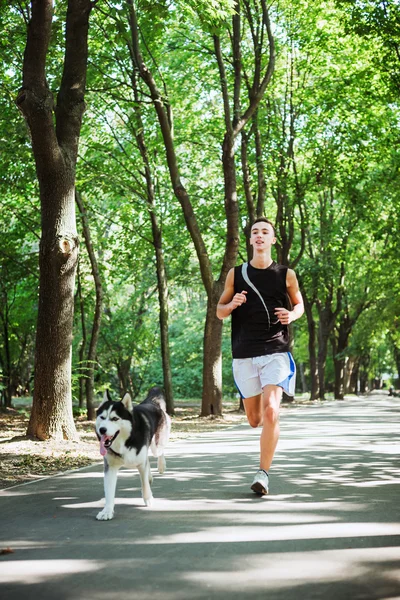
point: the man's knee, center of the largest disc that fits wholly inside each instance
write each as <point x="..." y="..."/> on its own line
<point x="252" y="407"/>
<point x="271" y="414"/>
<point x="254" y="420"/>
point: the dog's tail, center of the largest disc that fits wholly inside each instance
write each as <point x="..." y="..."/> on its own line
<point x="156" y="395"/>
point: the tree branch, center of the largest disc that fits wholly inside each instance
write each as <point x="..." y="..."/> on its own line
<point x="34" y="99"/>
<point x="224" y="83"/>
<point x="259" y="93"/>
<point x="237" y="63"/>
<point x="70" y="99"/>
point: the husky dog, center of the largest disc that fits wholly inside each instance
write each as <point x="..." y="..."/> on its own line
<point x="125" y="434"/>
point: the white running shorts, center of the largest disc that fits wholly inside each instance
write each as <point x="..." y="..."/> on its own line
<point x="251" y="375"/>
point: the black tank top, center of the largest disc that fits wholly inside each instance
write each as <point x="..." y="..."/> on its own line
<point x="253" y="334"/>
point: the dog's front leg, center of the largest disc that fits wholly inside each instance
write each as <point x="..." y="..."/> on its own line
<point x="110" y="484"/>
<point x="145" y="474"/>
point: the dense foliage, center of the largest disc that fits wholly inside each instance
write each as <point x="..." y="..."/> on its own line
<point x="321" y="152"/>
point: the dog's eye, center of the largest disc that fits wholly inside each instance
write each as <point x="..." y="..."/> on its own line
<point x="101" y="417"/>
<point x="114" y="419"/>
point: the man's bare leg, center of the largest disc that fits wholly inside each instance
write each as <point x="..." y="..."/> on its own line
<point x="252" y="406"/>
<point x="263" y="410"/>
<point x="271" y="400"/>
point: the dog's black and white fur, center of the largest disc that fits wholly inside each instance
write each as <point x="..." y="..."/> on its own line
<point x="125" y="434"/>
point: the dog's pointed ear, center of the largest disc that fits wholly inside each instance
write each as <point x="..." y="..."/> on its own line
<point x="127" y="401"/>
<point x="106" y="397"/>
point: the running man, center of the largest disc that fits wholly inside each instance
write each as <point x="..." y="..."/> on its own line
<point x="256" y="295"/>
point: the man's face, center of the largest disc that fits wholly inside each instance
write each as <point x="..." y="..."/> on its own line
<point x="262" y="236"/>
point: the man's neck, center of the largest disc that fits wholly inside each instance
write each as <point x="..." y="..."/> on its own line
<point x="262" y="260"/>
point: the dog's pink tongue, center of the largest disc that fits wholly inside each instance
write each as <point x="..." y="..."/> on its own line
<point x="103" y="449"/>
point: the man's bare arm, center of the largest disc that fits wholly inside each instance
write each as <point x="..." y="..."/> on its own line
<point x="229" y="300"/>
<point x="288" y="316"/>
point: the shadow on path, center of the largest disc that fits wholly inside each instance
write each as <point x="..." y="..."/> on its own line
<point x="329" y="529"/>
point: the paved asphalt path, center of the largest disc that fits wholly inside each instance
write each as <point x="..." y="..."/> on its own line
<point x="330" y="528"/>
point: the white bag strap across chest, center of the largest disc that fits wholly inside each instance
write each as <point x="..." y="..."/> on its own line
<point x="253" y="287"/>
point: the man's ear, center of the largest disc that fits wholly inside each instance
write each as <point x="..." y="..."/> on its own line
<point x="127" y="402"/>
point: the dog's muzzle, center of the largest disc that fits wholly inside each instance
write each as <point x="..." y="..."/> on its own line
<point x="105" y="442"/>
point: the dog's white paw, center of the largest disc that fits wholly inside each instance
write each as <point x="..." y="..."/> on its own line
<point x="148" y="501"/>
<point x="105" y="515"/>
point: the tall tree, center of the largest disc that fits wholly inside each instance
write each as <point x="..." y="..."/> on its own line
<point x="91" y="357"/>
<point x="55" y="129"/>
<point x="235" y="118"/>
<point x="162" y="282"/>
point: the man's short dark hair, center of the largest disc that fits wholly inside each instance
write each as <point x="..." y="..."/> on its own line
<point x="263" y="220"/>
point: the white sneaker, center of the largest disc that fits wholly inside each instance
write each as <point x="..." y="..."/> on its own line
<point x="260" y="483"/>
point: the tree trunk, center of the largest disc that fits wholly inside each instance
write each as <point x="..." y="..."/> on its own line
<point x="340" y="364"/>
<point x="363" y="373"/>
<point x="326" y="324"/>
<point x="55" y="149"/>
<point x="6" y="360"/>
<point x="323" y="339"/>
<point x="123" y="370"/>
<point x="396" y="352"/>
<point x="261" y="183"/>
<point x="339" y="360"/>
<point x="212" y="371"/>
<point x="233" y="127"/>
<point x="348" y="369"/>
<point x="179" y="189"/>
<point x="340" y="344"/>
<point x="162" y="282"/>
<point x="248" y="194"/>
<point x="98" y="311"/>
<point x="312" y="348"/>
<point x="82" y="347"/>
<point x="353" y="368"/>
<point x="57" y="263"/>
<point x="164" y="320"/>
